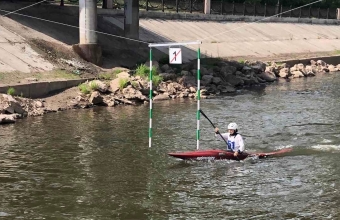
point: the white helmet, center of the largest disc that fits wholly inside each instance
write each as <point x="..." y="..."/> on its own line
<point x="232" y="126"/>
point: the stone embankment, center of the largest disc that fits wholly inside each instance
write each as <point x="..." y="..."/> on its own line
<point x="131" y="88"/>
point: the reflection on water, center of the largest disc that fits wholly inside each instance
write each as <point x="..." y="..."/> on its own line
<point x="96" y="164"/>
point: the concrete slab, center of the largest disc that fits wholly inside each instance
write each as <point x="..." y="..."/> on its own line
<point x="17" y="55"/>
<point x="232" y="39"/>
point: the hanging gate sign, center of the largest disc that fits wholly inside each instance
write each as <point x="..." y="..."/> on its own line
<point x="175" y="56"/>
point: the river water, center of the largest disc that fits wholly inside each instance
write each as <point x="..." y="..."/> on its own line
<point x="96" y="164"/>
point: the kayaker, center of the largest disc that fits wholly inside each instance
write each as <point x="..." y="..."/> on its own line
<point x="234" y="140"/>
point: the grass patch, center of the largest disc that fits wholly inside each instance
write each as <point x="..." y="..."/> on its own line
<point x="111" y="75"/>
<point x="337" y="52"/>
<point x="144" y="71"/>
<point x="84" y="88"/>
<point x="123" y="83"/>
<point x="105" y="76"/>
<point x="242" y="61"/>
<point x="156" y="80"/>
<point x="134" y="84"/>
<point x="93" y="86"/>
<point x="10" y="91"/>
<point x="62" y="74"/>
<point x="117" y="71"/>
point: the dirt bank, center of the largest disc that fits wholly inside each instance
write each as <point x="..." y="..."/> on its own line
<point x="131" y="87"/>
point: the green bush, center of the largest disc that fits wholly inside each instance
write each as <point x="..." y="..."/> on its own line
<point x="242" y="61"/>
<point x="93" y="86"/>
<point x="110" y="75"/>
<point x="10" y="91"/>
<point x="123" y="83"/>
<point x="156" y="80"/>
<point x="144" y="71"/>
<point x="105" y="76"/>
<point x="84" y="88"/>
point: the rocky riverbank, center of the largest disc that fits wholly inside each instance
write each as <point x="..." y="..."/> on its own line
<point x="131" y="87"/>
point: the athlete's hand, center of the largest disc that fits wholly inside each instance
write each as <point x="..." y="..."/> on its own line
<point x="216" y="130"/>
<point x="236" y="154"/>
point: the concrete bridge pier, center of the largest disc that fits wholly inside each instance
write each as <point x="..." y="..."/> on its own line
<point x="207" y="6"/>
<point x="88" y="47"/>
<point x="131" y="21"/>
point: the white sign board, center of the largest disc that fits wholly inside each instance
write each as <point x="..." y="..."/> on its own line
<point x="175" y="56"/>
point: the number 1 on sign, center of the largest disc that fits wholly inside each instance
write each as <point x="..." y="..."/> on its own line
<point x="175" y="56"/>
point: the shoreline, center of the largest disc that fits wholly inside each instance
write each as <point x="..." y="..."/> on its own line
<point x="131" y="87"/>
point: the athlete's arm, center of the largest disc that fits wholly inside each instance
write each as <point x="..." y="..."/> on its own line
<point x="241" y="143"/>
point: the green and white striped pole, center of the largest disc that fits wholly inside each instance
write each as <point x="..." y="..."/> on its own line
<point x="150" y="97"/>
<point x="198" y="88"/>
<point x="198" y="96"/>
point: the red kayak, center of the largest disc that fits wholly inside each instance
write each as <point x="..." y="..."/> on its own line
<point x="223" y="155"/>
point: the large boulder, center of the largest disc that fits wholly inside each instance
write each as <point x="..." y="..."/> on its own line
<point x="171" y="89"/>
<point x="6" y="119"/>
<point x="114" y="84"/>
<point x="310" y="71"/>
<point x="204" y="71"/>
<point x="163" y="96"/>
<point x="216" y="80"/>
<point x="313" y="63"/>
<point x="188" y="81"/>
<point x="332" y="68"/>
<point x="168" y="76"/>
<point x="268" y="76"/>
<point x="297" y="74"/>
<point x="165" y="67"/>
<point x="185" y="73"/>
<point x="10" y="105"/>
<point x="250" y="81"/>
<point x="206" y="79"/>
<point x="234" y="80"/>
<point x="102" y="87"/>
<point x="227" y="70"/>
<point x="258" y="67"/>
<point x="131" y="93"/>
<point x="302" y="69"/>
<point x="284" y="73"/>
<point x="96" y="98"/>
<point x="321" y="63"/>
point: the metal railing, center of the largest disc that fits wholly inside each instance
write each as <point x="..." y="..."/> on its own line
<point x="224" y="7"/>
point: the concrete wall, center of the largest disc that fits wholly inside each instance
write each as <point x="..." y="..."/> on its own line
<point x="42" y="89"/>
<point x="214" y="17"/>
